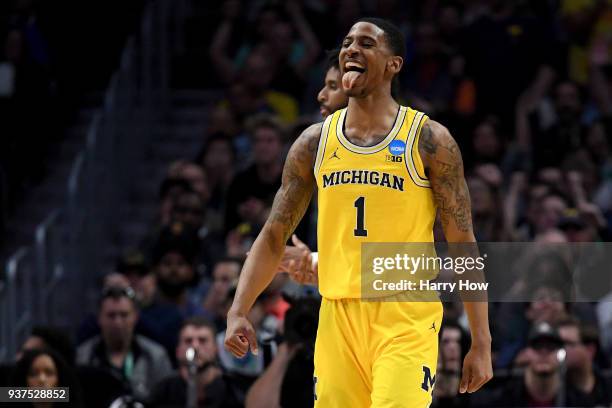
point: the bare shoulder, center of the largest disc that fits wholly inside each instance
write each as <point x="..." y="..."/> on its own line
<point x="437" y="144"/>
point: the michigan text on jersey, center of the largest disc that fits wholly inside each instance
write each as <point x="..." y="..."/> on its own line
<point x="363" y="177"/>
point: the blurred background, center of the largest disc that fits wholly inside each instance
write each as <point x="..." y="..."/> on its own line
<point x="142" y="143"/>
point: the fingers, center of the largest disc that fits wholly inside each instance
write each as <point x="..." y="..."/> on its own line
<point x="296" y="241"/>
<point x="474" y="377"/>
<point x="237" y="344"/>
<point x="284" y="263"/>
<point x="301" y="271"/>
<point x="252" y="340"/>
<point x="465" y="378"/>
<point x="294" y="272"/>
<point x="475" y="382"/>
<point x="478" y="381"/>
<point x="305" y="262"/>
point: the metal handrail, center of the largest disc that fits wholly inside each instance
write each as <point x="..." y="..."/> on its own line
<point x="46" y="277"/>
<point x="4" y="323"/>
<point x="18" y="322"/>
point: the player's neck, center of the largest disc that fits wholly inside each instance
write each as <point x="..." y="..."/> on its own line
<point x="370" y="117"/>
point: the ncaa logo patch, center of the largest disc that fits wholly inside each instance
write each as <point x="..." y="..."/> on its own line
<point x="397" y="147"/>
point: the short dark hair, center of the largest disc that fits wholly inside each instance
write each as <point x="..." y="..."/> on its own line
<point x="170" y="183"/>
<point x="587" y="333"/>
<point x="57" y="340"/>
<point x="176" y="237"/>
<point x="332" y="59"/>
<point x="395" y="41"/>
<point x="393" y="35"/>
<point x="198" y="322"/>
<point x="229" y="259"/>
<point x="132" y="260"/>
<point x="265" y="120"/>
<point x="215" y="138"/>
<point x="118" y="292"/>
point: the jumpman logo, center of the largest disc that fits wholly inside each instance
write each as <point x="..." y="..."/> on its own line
<point x="335" y="154"/>
<point x="433" y="326"/>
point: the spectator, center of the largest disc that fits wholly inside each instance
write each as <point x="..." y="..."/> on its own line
<point x="173" y="264"/>
<point x="453" y="346"/>
<point x="548" y="212"/>
<point x="48" y="337"/>
<point x="225" y="276"/>
<point x="135" y="268"/>
<point x="253" y="189"/>
<point x="170" y="189"/>
<point x="213" y="389"/>
<point x="136" y="360"/>
<point x="194" y="174"/>
<point x="291" y="59"/>
<point x="44" y="368"/>
<point x="541" y="385"/>
<point x="487" y="210"/>
<point x="566" y="133"/>
<point x="487" y="143"/>
<point x="545" y="283"/>
<point x="190" y="212"/>
<point x="587" y="385"/>
<point x="332" y="97"/>
<point x="218" y="158"/>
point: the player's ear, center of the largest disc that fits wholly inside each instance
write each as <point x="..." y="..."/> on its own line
<point x="394" y="64"/>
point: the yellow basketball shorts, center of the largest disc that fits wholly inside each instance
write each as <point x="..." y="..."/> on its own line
<point x="376" y="354"/>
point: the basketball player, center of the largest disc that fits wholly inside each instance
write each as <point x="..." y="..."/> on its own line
<point x="332" y="96"/>
<point x="368" y="354"/>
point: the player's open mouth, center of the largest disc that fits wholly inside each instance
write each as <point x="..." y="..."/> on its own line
<point x="352" y="72"/>
<point x="354" y="66"/>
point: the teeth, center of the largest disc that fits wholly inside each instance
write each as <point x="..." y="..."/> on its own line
<point x="353" y="65"/>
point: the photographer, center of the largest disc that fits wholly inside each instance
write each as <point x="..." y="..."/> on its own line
<point x="211" y="386"/>
<point x="282" y="383"/>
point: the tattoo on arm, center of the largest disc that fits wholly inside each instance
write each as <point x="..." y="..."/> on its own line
<point x="445" y="169"/>
<point x="293" y="198"/>
<point x="426" y="142"/>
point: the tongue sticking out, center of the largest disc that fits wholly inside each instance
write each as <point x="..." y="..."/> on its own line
<point x="349" y="79"/>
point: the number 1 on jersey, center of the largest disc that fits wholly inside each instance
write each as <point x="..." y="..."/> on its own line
<point x="360" y="231"/>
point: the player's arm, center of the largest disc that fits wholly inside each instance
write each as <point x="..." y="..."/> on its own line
<point x="290" y="204"/>
<point x="444" y="166"/>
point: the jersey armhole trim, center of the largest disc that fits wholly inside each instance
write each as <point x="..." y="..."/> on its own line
<point x="322" y="144"/>
<point x="416" y="157"/>
<point x="411" y="142"/>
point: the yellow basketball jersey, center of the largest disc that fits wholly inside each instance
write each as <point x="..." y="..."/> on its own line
<point x="368" y="194"/>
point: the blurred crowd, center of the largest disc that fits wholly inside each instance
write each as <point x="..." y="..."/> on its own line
<point x="46" y="71"/>
<point x="525" y="88"/>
